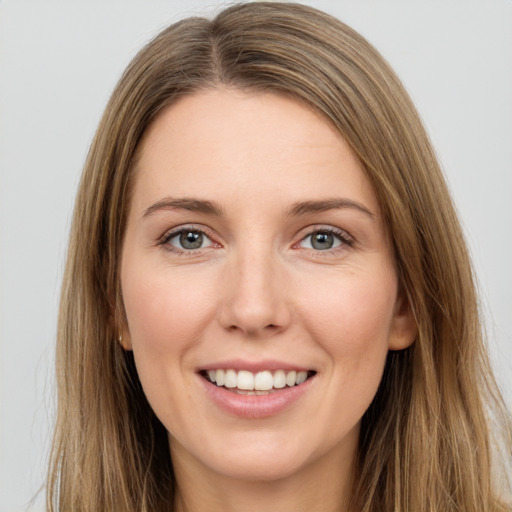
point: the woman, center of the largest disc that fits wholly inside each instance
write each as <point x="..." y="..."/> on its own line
<point x="273" y="305"/>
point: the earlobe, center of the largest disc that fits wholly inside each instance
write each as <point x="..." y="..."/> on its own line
<point x="404" y="328"/>
<point x="125" y="340"/>
<point x="120" y="322"/>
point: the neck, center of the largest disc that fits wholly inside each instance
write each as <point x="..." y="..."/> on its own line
<point x="325" y="485"/>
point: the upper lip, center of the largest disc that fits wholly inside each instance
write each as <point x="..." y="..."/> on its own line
<point x="254" y="366"/>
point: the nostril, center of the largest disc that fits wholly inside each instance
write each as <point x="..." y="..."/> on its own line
<point x="255" y="330"/>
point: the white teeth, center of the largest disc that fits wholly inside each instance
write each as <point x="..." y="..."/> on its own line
<point x="259" y="383"/>
<point x="263" y="381"/>
<point x="301" y="377"/>
<point x="230" y="380"/>
<point x="244" y="392"/>
<point x="219" y="377"/>
<point x="245" y="380"/>
<point x="279" y="379"/>
<point x="290" y="378"/>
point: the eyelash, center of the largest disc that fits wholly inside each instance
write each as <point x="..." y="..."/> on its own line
<point x="164" y="241"/>
<point x="342" y="236"/>
<point x="345" y="239"/>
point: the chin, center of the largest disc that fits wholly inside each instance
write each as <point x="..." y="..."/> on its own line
<point x="256" y="457"/>
<point x="259" y="469"/>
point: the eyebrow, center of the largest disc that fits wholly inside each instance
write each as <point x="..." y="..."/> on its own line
<point x="295" y="210"/>
<point x="307" y="207"/>
<point x="193" y="205"/>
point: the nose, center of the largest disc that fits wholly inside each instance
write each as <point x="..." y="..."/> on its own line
<point x="254" y="295"/>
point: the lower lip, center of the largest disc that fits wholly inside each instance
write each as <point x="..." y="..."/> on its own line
<point x="255" y="406"/>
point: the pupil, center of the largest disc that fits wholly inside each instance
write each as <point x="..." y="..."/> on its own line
<point x="191" y="240"/>
<point x="322" y="241"/>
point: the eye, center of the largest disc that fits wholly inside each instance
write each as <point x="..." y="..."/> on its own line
<point x="324" y="240"/>
<point x="187" y="240"/>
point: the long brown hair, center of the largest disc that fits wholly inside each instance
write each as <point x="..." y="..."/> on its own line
<point x="430" y="439"/>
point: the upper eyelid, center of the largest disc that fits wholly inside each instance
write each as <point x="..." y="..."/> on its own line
<point x="347" y="240"/>
<point x="210" y="234"/>
<point x="318" y="228"/>
<point x="164" y="240"/>
<point x="348" y="243"/>
<point x="170" y="233"/>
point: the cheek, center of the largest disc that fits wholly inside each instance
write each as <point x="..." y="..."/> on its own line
<point x="350" y="320"/>
<point x="352" y="317"/>
<point x="166" y="313"/>
<point x="166" y="310"/>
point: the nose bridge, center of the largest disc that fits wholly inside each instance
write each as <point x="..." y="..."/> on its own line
<point x="255" y="299"/>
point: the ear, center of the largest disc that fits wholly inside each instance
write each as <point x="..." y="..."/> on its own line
<point x="119" y="318"/>
<point x="124" y="339"/>
<point x="403" y="328"/>
<point x="121" y="329"/>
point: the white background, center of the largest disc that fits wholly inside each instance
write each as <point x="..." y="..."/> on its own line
<point x="58" y="64"/>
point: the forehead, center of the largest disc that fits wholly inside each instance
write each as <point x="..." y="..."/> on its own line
<point x="227" y="142"/>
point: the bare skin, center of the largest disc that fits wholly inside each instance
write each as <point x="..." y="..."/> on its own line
<point x="316" y="489"/>
<point x="255" y="242"/>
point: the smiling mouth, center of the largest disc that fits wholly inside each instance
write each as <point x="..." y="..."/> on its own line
<point x="265" y="382"/>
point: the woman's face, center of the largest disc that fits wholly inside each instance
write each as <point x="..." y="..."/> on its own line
<point x="256" y="256"/>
